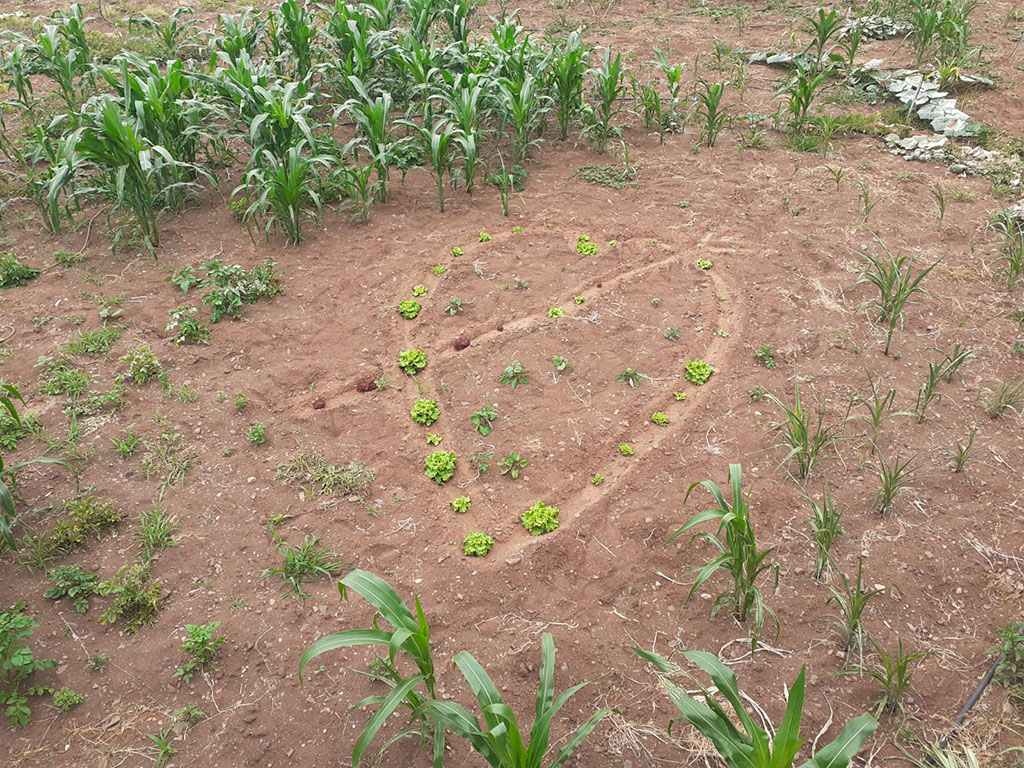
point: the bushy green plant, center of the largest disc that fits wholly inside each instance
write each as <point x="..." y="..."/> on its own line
<point x="585" y="247"/>
<point x="231" y="286"/>
<point x="17" y="663"/>
<point x="461" y="505"/>
<point x="540" y="519"/>
<point x="412" y="361"/>
<point x="476" y="544"/>
<point x="740" y="741"/>
<point x="201" y="647"/>
<point x="698" y="372"/>
<point x="143" y="367"/>
<point x="66" y="699"/>
<point x="136" y="600"/>
<point x="257" y="433"/>
<point x="94" y="343"/>
<point x="439" y="466"/>
<point x="409" y="309"/>
<point x="425" y="412"/>
<point x="13" y="273"/>
<point x="72" y="582"/>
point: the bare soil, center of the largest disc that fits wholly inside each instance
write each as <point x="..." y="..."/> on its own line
<point x="786" y="242"/>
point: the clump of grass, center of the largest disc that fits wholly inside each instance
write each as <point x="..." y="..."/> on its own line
<point x="305" y="563"/>
<point x="894" y="674"/>
<point x="156" y="531"/>
<point x="167" y="457"/>
<point x="312" y="472"/>
<point x="83" y="518"/>
<point x="95" y="343"/>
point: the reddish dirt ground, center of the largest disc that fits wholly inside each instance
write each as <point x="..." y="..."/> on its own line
<point x="785" y="242"/>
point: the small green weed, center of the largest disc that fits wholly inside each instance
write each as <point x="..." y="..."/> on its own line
<point x="514" y="375"/>
<point x="201" y="647"/>
<point x="14" y="274"/>
<point x="765" y="355"/>
<point x="257" y="433"/>
<point x="143" y="367"/>
<point x="303" y="564"/>
<point x="136" y="600"/>
<point x="66" y="699"/>
<point x="72" y="582"/>
<point x="630" y="376"/>
<point x="95" y="343"/>
<point x="511" y="464"/>
<point x="483" y="420"/>
<point x="156" y="531"/>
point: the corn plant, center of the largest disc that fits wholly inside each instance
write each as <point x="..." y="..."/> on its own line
<point x="436" y="142"/>
<point x="375" y="132"/>
<point x="500" y="740"/>
<point x="133" y="170"/>
<point x="295" y="28"/>
<point x="8" y="514"/>
<point x="738" y="554"/>
<point x="953" y="360"/>
<point x="411" y="635"/>
<point x="50" y="166"/>
<point x="802" y="89"/>
<point x="456" y="15"/>
<point x="522" y="105"/>
<point x="824" y="27"/>
<point x="16" y="66"/>
<point x="711" y="114"/>
<point x="238" y="34"/>
<point x="607" y="86"/>
<point x="961" y="452"/>
<point x="739" y="740"/>
<point x="804" y="438"/>
<point x="422" y="15"/>
<point x="825" y="530"/>
<point x="353" y="45"/>
<point x="173" y="34"/>
<point x="284" y="193"/>
<point x="879" y="410"/>
<point x="52" y="56"/>
<point x="357" y="183"/>
<point x="851" y="601"/>
<point x="924" y="21"/>
<point x="673" y="79"/>
<point x="1009" y="224"/>
<point x="565" y="80"/>
<point x="894" y="674"/>
<point x="894" y="279"/>
<point x="649" y="107"/>
<point x="894" y="478"/>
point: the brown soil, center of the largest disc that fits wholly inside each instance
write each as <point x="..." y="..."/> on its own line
<point x="785" y="241"/>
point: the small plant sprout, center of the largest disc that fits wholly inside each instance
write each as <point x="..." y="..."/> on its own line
<point x="825" y="530"/>
<point x="419" y="290"/>
<point x="511" y="464"/>
<point x="439" y="466"/>
<point x="156" y="531"/>
<point x="439" y="270"/>
<point x="461" y="505"/>
<point x="673" y="334"/>
<point x="626" y="450"/>
<point x="484" y="237"/>
<point x="483" y="420"/>
<point x="961" y="452"/>
<point x="896" y="283"/>
<point x="412" y="361"/>
<point x="434" y="439"/>
<point x="894" y="674"/>
<point x="765" y="355"/>
<point x="894" y="480"/>
<point x="409" y="309"/>
<point x="514" y="375"/>
<point x="597" y="479"/>
<point x="127" y="444"/>
<point x="851" y="600"/>
<point x="703" y="264"/>
<point x="201" y="646"/>
<point x="456" y="305"/>
<point x="630" y="376"/>
<point x="698" y="372"/>
<point x="679" y="396"/>
<point x="257" y="433"/>
<point x="477" y="544"/>
<point x="425" y="412"/>
<point x="239" y="401"/>
<point x="577" y="300"/>
<point x="1008" y="397"/>
<point x="457" y="251"/>
<point x="660" y="419"/>
<point x="562" y="364"/>
<point x="97" y="662"/>
<point x="556" y="312"/>
<point x="304" y="563"/>
<point x="939" y="197"/>
<point x="585" y="247"/>
<point x="804" y="436"/>
<point x="540" y="519"/>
